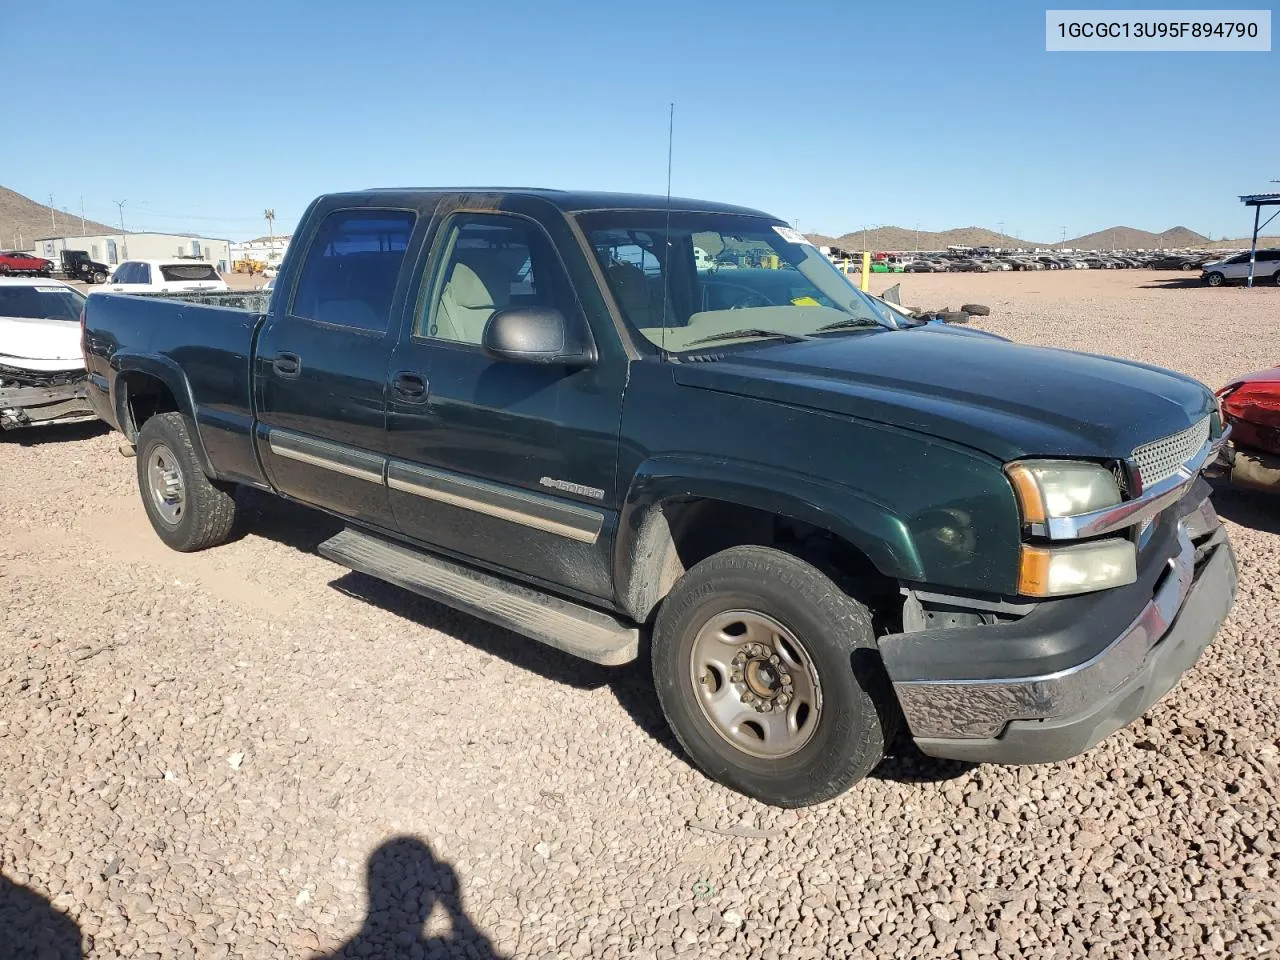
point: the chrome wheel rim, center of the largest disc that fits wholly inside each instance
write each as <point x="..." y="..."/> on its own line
<point x="755" y="684"/>
<point x="168" y="491"/>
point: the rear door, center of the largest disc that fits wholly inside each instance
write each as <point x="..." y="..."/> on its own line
<point x="320" y="365"/>
<point x="509" y="464"/>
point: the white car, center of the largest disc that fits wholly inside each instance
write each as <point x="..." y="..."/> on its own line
<point x="163" y="276"/>
<point x="1266" y="269"/>
<point x="42" y="377"/>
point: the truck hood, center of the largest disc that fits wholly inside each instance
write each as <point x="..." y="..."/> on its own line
<point x="1005" y="399"/>
<point x="30" y="344"/>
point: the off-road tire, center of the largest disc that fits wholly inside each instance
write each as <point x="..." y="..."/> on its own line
<point x="976" y="309"/>
<point x="209" y="511"/>
<point x="857" y="717"/>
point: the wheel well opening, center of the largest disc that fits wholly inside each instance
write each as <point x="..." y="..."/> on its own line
<point x="701" y="528"/>
<point x="144" y="396"/>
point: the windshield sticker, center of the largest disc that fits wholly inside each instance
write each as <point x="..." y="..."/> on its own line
<point x="805" y="302"/>
<point x="790" y="235"/>
<point x="49" y="289"/>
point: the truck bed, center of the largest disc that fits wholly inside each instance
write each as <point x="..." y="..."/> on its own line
<point x="202" y="353"/>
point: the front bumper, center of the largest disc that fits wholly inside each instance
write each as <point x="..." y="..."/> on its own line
<point x="1054" y="683"/>
<point x="29" y="406"/>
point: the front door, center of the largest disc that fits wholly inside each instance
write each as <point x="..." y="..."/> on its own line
<point x="321" y="366"/>
<point x="509" y="464"/>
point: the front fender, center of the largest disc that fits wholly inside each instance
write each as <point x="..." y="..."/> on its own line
<point x="954" y="527"/>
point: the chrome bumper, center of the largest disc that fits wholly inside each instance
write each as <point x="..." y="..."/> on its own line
<point x="981" y="709"/>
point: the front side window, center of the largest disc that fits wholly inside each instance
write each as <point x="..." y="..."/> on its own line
<point x="487" y="263"/>
<point x="351" y="269"/>
<point x="709" y="275"/>
<point x="41" y="303"/>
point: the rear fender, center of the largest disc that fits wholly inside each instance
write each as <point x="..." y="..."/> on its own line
<point x="168" y="373"/>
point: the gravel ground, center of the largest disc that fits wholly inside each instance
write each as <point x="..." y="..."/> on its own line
<point x="253" y="753"/>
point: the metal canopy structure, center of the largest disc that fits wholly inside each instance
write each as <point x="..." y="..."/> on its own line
<point x="1258" y="201"/>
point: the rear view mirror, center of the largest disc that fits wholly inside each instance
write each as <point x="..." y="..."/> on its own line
<point x="537" y="335"/>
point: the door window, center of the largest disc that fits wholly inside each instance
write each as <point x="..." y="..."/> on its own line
<point x="350" y="273"/>
<point x="490" y="262"/>
<point x="142" y="273"/>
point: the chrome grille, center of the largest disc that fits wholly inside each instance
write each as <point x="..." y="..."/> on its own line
<point x="1160" y="459"/>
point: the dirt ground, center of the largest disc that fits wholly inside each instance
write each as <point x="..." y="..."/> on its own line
<point x="253" y="753"/>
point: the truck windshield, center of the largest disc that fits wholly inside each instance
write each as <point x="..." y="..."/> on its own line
<point x="41" y="303"/>
<point x="709" y="275"/>
<point x="188" y="271"/>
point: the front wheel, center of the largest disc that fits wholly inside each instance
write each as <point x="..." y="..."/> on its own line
<point x="99" y="277"/>
<point x="188" y="510"/>
<point x="1214" y="279"/>
<point x="770" y="677"/>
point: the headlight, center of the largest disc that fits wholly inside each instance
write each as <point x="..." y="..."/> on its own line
<point x="1053" y="489"/>
<point x="1054" y="571"/>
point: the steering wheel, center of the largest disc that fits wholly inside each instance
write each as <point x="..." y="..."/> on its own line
<point x="749" y="298"/>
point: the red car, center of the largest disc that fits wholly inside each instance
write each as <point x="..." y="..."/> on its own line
<point x="1251" y="405"/>
<point x="15" y="262"/>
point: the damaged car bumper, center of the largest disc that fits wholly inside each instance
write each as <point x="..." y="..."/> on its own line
<point x="32" y="398"/>
<point x="1057" y="681"/>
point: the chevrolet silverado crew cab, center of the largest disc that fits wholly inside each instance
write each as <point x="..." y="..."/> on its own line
<point x="816" y="519"/>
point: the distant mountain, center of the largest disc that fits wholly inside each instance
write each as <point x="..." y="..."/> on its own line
<point x="1128" y="238"/>
<point x="22" y="220"/>
<point x="901" y="238"/>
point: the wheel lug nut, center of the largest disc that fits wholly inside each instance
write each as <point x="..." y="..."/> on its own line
<point x="785" y="679"/>
<point x="736" y="677"/>
<point x="748" y="698"/>
<point x="784" y="699"/>
<point x="775" y="659"/>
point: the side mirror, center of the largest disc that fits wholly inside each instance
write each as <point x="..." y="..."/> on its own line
<point x="536" y="335"/>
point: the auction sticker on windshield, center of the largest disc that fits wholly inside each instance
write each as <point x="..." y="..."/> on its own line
<point x="790" y="235"/>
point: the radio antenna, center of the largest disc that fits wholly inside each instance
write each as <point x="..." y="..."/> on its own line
<point x="666" y="256"/>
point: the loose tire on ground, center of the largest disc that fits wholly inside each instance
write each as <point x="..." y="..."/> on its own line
<point x="840" y="738"/>
<point x="954" y="316"/>
<point x="188" y="510"/>
<point x="976" y="309"/>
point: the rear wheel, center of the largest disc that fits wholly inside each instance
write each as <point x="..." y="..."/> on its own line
<point x="188" y="510"/>
<point x="770" y="677"/>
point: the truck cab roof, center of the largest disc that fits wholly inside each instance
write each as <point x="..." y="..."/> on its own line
<point x="567" y="201"/>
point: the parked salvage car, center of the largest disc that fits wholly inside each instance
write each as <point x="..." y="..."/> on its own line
<point x="1266" y="269"/>
<point x="809" y="519"/>
<point x="1175" y="261"/>
<point x="1251" y="406"/>
<point x="42" y="378"/>
<point x="15" y="263"/>
<point x="164" y="276"/>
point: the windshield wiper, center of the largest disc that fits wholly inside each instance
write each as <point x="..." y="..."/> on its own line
<point x="852" y="322"/>
<point x="751" y="332"/>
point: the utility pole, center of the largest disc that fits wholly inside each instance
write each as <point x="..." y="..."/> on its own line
<point x="917" y="238"/>
<point x="124" y="244"/>
<point x="1063" y="245"/>
<point x="82" y="230"/>
<point x="52" y="222"/>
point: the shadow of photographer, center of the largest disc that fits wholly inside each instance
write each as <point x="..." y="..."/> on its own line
<point x="405" y="884"/>
<point x="31" y="929"/>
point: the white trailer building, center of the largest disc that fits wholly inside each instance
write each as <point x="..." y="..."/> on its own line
<point x="113" y="248"/>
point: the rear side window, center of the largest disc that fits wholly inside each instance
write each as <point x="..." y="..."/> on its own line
<point x="142" y="273"/>
<point x="350" y="273"/>
<point x="188" y="271"/>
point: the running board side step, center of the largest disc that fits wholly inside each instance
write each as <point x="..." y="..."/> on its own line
<point x="576" y="629"/>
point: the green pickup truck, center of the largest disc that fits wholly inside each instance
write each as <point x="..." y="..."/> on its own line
<point x="817" y="520"/>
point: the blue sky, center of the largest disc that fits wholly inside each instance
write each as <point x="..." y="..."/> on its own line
<point x="836" y="115"/>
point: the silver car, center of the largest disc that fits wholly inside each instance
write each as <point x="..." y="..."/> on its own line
<point x="1265" y="269"/>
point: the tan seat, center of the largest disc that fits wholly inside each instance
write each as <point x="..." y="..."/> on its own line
<point x="474" y="292"/>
